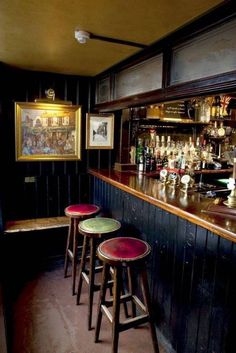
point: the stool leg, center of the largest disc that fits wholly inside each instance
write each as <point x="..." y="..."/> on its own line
<point x="131" y="290"/>
<point x="75" y="254"/>
<point x="147" y="301"/>
<point x="123" y="292"/>
<point x="81" y="268"/>
<point x="91" y="279"/>
<point x="102" y="296"/>
<point x="68" y="242"/>
<point x="116" y="308"/>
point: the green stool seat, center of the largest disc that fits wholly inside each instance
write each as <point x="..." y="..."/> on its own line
<point x="100" y="225"/>
<point x="93" y="230"/>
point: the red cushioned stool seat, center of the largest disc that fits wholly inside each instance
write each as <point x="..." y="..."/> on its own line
<point x="124" y="253"/>
<point x="124" y="249"/>
<point x="76" y="212"/>
<point x="80" y="210"/>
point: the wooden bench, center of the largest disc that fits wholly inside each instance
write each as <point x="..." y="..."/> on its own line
<point x="28" y="225"/>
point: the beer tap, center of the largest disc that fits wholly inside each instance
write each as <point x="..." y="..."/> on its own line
<point x="231" y="202"/>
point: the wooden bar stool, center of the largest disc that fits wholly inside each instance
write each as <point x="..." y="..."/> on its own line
<point x="93" y="230"/>
<point x="122" y="253"/>
<point x="76" y="214"/>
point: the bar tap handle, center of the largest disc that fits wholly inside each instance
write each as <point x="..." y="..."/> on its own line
<point x="163" y="175"/>
<point x="231" y="202"/>
<point x="234" y="165"/>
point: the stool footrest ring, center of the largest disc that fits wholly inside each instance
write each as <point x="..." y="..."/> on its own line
<point x="133" y="322"/>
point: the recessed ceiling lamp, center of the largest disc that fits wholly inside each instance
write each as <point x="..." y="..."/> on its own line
<point x="83" y="36"/>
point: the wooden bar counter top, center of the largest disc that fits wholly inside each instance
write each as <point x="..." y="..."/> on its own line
<point x="209" y="213"/>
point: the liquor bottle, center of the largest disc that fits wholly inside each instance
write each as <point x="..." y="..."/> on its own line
<point x="147" y="160"/>
<point x="139" y="154"/>
<point x="157" y="141"/>
<point x="198" y="148"/>
<point x="163" y="147"/>
<point x="157" y="147"/>
<point x="191" y="151"/>
<point x="204" y="155"/>
<point x="152" y="137"/>
<point x="165" y="161"/>
<point x="197" y="110"/>
<point x="141" y="164"/>
<point x="168" y="147"/>
<point x="171" y="161"/>
<point x="205" y="111"/>
<point x="153" y="162"/>
<point x="197" y="155"/>
<point x="216" y="108"/>
<point x="182" y="162"/>
<point x="158" y="161"/>
<point x="189" y="161"/>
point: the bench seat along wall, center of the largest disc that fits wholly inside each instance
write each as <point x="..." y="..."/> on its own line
<point x="192" y="272"/>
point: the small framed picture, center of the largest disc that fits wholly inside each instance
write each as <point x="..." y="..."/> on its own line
<point x="99" y="131"/>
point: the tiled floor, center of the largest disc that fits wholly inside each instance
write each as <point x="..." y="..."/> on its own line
<point x="47" y="320"/>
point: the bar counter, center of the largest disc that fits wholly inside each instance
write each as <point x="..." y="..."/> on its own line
<point x="191" y="206"/>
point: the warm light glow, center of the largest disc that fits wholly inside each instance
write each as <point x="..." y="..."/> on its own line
<point x="172" y="119"/>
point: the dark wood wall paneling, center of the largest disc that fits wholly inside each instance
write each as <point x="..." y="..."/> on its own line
<point x="192" y="273"/>
<point x="58" y="183"/>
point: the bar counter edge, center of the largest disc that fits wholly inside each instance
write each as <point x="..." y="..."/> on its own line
<point x="214" y="223"/>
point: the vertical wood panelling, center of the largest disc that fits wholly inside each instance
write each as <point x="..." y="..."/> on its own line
<point x="56" y="183"/>
<point x="191" y="271"/>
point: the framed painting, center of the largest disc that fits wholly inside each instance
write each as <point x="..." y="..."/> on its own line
<point x="99" y="131"/>
<point x="47" y="132"/>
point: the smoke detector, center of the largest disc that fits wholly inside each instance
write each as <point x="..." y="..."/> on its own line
<point x="82" y="36"/>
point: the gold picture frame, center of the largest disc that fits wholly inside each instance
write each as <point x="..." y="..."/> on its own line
<point x="47" y="132"/>
<point x="99" y="131"/>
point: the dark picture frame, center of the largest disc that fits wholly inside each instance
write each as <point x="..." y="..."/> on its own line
<point x="99" y="131"/>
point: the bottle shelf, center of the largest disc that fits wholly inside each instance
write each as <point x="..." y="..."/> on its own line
<point x="213" y="171"/>
<point x="182" y="172"/>
<point x="154" y="123"/>
<point x="174" y="121"/>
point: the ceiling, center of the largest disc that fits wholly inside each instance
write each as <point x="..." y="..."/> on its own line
<point x="39" y="35"/>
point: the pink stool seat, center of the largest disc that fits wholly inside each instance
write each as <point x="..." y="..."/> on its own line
<point x="76" y="213"/>
<point x="124" y="249"/>
<point x="82" y="209"/>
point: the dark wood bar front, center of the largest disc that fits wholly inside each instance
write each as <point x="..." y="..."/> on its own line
<point x="193" y="264"/>
<point x="190" y="206"/>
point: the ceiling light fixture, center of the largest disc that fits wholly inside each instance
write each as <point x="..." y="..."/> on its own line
<point x="83" y="36"/>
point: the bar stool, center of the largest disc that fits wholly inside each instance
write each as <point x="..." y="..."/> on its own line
<point x="76" y="213"/>
<point x="93" y="230"/>
<point x="122" y="253"/>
